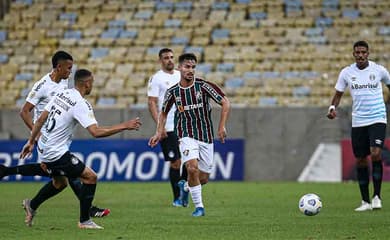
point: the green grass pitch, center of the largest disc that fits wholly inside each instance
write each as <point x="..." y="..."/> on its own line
<point x="234" y="210"/>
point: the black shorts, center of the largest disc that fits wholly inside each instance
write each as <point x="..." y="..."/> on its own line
<point x="368" y="136"/>
<point x="170" y="147"/>
<point x="68" y="165"/>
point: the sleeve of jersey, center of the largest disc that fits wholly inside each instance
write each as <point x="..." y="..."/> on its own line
<point x="341" y="83"/>
<point x="214" y="91"/>
<point x="83" y="113"/>
<point x="168" y="101"/>
<point x="152" y="87"/>
<point x="385" y="76"/>
<point x="35" y="94"/>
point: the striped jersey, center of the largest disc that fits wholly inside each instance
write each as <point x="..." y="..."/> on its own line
<point x="193" y="109"/>
<point x="365" y="86"/>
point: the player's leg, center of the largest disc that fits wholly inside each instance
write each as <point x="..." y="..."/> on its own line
<point x="94" y="211"/>
<point x="377" y="134"/>
<point x="33" y="169"/>
<point x="361" y="149"/>
<point x="169" y="146"/>
<point x="50" y="189"/>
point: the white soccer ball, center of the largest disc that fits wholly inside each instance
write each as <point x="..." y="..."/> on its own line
<point x="310" y="204"/>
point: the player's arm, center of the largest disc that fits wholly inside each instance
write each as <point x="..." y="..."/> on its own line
<point x="225" y="104"/>
<point x="105" y="131"/>
<point x="29" y="146"/>
<point x="162" y="119"/>
<point x="25" y="114"/>
<point x="152" y="105"/>
<point x="335" y="102"/>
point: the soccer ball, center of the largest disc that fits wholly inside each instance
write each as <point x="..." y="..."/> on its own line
<point x="310" y="204"/>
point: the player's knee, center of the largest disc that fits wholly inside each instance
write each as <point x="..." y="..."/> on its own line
<point x="361" y="162"/>
<point x="175" y="164"/>
<point x="375" y="156"/>
<point x="60" y="184"/>
<point x="192" y="170"/>
<point x="203" y="181"/>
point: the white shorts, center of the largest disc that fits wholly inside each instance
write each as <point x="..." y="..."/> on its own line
<point x="193" y="149"/>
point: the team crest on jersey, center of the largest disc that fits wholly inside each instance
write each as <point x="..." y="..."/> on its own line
<point x="372" y="77"/>
<point x="198" y="96"/>
<point x="180" y="108"/>
<point x="186" y="152"/>
<point x="353" y="79"/>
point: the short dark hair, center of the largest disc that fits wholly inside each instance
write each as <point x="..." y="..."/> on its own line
<point x="187" y="56"/>
<point x="164" y="50"/>
<point x="60" y="55"/>
<point x="360" y="44"/>
<point x="81" y="75"/>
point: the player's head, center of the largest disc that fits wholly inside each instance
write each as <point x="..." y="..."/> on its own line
<point x="166" y="59"/>
<point x="62" y="63"/>
<point x="187" y="65"/>
<point x="360" y="53"/>
<point x="83" y="78"/>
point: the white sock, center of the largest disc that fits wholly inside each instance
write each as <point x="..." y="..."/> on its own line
<point x="196" y="195"/>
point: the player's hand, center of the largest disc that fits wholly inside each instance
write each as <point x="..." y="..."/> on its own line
<point x="153" y="141"/>
<point x="164" y="134"/>
<point x="27" y="150"/>
<point x="222" y="134"/>
<point x="133" y="124"/>
<point x="331" y="114"/>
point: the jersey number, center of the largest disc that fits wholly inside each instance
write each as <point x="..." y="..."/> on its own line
<point x="51" y="120"/>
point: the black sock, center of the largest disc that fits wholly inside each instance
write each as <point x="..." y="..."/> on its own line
<point x="87" y="194"/>
<point x="174" y="177"/>
<point x="26" y="170"/>
<point x="76" y="185"/>
<point x="46" y="192"/>
<point x="184" y="174"/>
<point x="363" y="179"/>
<point x="377" y="172"/>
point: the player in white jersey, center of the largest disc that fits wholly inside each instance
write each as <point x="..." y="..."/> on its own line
<point x="40" y="94"/>
<point x="56" y="124"/>
<point x="364" y="80"/>
<point x="163" y="79"/>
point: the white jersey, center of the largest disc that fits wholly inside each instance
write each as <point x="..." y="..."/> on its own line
<point x="65" y="110"/>
<point x="42" y="91"/>
<point x="365" y="86"/>
<point x="158" y="85"/>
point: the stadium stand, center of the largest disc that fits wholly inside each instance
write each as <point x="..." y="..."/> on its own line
<point x="264" y="53"/>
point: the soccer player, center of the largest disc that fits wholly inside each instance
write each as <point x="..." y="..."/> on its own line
<point x="56" y="124"/>
<point x="193" y="125"/>
<point x="39" y="96"/>
<point x="364" y="79"/>
<point x="163" y="79"/>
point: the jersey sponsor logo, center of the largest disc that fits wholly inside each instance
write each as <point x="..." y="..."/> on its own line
<point x="193" y="106"/>
<point x="66" y="99"/>
<point x="210" y="90"/>
<point x="364" y="86"/>
<point x="378" y="141"/>
<point x="186" y="152"/>
<point x="88" y="105"/>
<point x="61" y="104"/>
<point x="372" y="77"/>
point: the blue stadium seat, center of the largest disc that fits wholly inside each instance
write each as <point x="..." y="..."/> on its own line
<point x="194" y="49"/>
<point x="73" y="34"/>
<point x="243" y="1"/>
<point x="384" y="30"/>
<point x="24" y="77"/>
<point x="258" y="15"/>
<point x="220" y="33"/>
<point x="27" y="2"/>
<point x="71" y="17"/>
<point x="270" y="75"/>
<point x="253" y="74"/>
<point x="323" y="22"/>
<point x="128" y="34"/>
<point x="225" y="67"/>
<point x="143" y="14"/>
<point x="117" y="24"/>
<point x="3" y="58"/>
<point x="220" y="6"/>
<point x="106" y="101"/>
<point x="351" y="13"/>
<point x="268" y="101"/>
<point x="302" y="91"/>
<point x="234" y="82"/>
<point x="330" y="5"/>
<point x="204" y="67"/>
<point x="311" y="32"/>
<point x="179" y="40"/>
<point x="153" y="50"/>
<point x="111" y="33"/>
<point x="309" y="74"/>
<point x="3" y="36"/>
<point x="99" y="52"/>
<point x="293" y="74"/>
<point x="164" y="6"/>
<point x="318" y="40"/>
<point x="172" y="23"/>
<point x="183" y="5"/>
<point x="292" y="5"/>
<point x="24" y="92"/>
